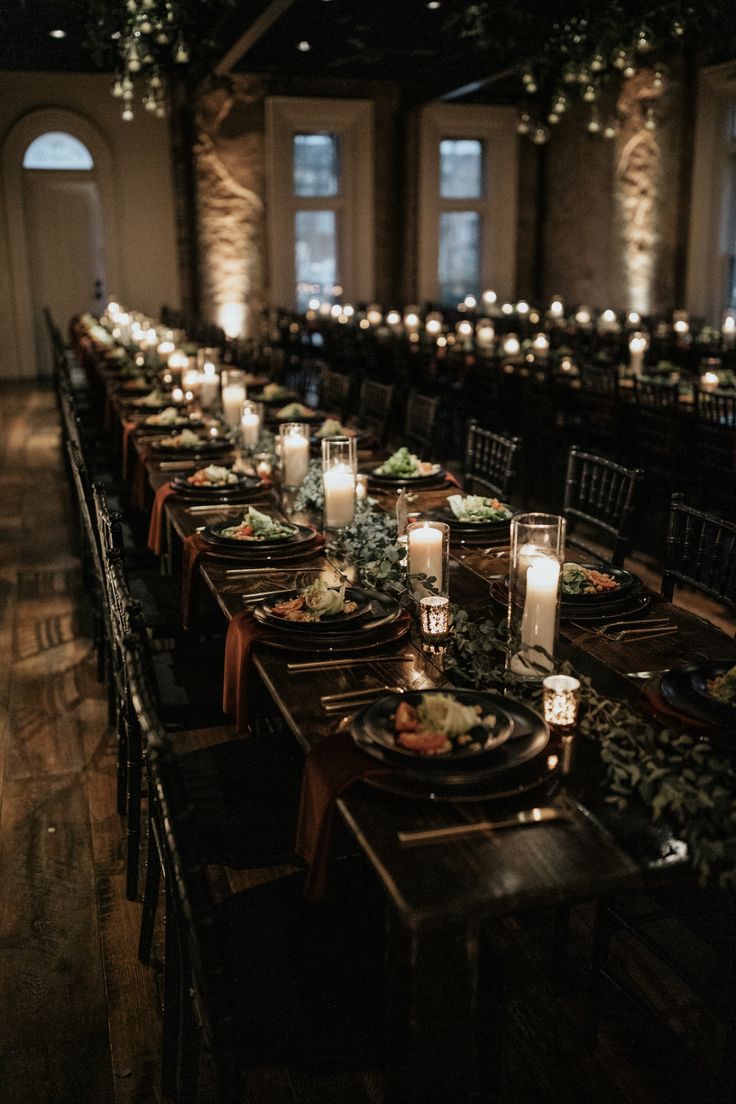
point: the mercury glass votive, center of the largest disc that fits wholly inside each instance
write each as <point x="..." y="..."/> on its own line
<point x="434" y="617"/>
<point x="561" y="699"/>
<point x="262" y="465"/>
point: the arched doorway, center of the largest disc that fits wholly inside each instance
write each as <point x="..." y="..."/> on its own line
<point x="60" y="198"/>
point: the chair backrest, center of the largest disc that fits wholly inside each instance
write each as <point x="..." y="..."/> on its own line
<point x="715" y="408"/>
<point x="189" y="889"/>
<point x="376" y="400"/>
<point x="700" y="552"/>
<point x="420" y="424"/>
<point x="334" y="391"/>
<point x="491" y="462"/>
<point x="603" y="496"/>
<point x="656" y="394"/>
<point x="109" y="524"/>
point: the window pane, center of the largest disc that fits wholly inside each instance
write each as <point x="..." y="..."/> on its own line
<point x="458" y="267"/>
<point x="57" y="150"/>
<point x="315" y="235"/>
<point x="316" y="168"/>
<point x="461" y="168"/>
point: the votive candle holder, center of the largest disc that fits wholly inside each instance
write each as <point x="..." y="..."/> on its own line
<point x="561" y="701"/>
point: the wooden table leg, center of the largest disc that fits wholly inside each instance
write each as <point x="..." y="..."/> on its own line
<point x="441" y="1023"/>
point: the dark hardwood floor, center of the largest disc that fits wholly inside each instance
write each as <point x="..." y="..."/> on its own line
<point x="79" y="1020"/>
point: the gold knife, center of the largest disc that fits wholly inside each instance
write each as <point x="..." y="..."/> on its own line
<point x="525" y="818"/>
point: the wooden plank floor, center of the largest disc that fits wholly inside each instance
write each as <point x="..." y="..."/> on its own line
<point x="79" y="1020"/>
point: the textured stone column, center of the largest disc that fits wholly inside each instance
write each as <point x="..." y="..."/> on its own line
<point x="230" y="160"/>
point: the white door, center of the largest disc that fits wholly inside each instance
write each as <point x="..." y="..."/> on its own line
<point x="66" y="250"/>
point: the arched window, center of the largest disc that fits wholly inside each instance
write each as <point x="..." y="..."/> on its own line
<point x="57" y="150"/>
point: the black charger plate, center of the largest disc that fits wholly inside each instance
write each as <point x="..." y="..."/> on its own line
<point x="299" y="535"/>
<point x="435" y="477"/>
<point x="339" y="623"/>
<point x="678" y="689"/>
<point x="214" y="446"/>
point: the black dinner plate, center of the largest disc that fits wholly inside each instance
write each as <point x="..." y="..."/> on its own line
<point x="206" y="491"/>
<point x="626" y="582"/>
<point x="377" y="729"/>
<point x="636" y="601"/>
<point x="701" y="675"/>
<point x="374" y="621"/>
<point x="339" y="622"/>
<point x="183" y="423"/>
<point x="437" y="475"/>
<point x="208" y="446"/>
<point x="298" y="535"/>
<point x="677" y="688"/>
<point x="383" y="636"/>
<point x="527" y="741"/>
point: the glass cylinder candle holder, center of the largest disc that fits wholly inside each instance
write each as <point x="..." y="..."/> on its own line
<point x="251" y="423"/>
<point x="233" y="396"/>
<point x="210" y="385"/>
<point x="561" y="699"/>
<point x="537" y="553"/>
<point x="294" y="442"/>
<point x="434" y="617"/>
<point x="428" y="553"/>
<point x="339" y="463"/>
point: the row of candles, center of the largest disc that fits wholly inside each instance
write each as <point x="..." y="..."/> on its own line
<point x="480" y="319"/>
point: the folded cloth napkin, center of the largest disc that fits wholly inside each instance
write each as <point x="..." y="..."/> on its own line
<point x="193" y="549"/>
<point x="242" y="633"/>
<point x="332" y="765"/>
<point x="139" y="482"/>
<point x="128" y="429"/>
<point x="156" y="525"/>
<point x="450" y="478"/>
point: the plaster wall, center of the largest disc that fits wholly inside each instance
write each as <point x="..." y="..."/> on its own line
<point x="143" y="227"/>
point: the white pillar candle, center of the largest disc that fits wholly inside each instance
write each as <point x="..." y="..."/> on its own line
<point x="233" y="397"/>
<point x="425" y="553"/>
<point x="709" y="381"/>
<point x="637" y="348"/>
<point x="192" y="381"/>
<point x="729" y="332"/>
<point x="540" y="345"/>
<point x="339" y="496"/>
<point x="295" y="457"/>
<point x="540" y="605"/>
<point x="210" y="385"/>
<point x="251" y="426"/>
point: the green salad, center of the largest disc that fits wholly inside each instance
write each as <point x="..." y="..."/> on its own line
<point x="274" y="391"/>
<point x="577" y="579"/>
<point x="405" y="465"/>
<point x="316" y="601"/>
<point x="477" y="508"/>
<point x="186" y="439"/>
<point x="723" y="687"/>
<point x="331" y="427"/>
<point x="256" y="526"/>
<point x="292" y="411"/>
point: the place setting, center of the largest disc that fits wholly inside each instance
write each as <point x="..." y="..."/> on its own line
<point x="262" y="537"/>
<point x="699" y="697"/>
<point x="404" y="469"/>
<point x="187" y="443"/>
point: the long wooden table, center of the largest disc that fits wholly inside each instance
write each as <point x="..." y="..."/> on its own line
<point x="440" y="896"/>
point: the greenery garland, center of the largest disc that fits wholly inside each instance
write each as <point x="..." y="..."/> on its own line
<point x="680" y="780"/>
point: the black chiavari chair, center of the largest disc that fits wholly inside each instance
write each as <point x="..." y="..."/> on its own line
<point x="714" y="449"/>
<point x="335" y="392"/>
<point x="491" y="462"/>
<point x="700" y="553"/>
<point x="601" y="496"/>
<point x="420" y="425"/>
<point x="376" y="402"/>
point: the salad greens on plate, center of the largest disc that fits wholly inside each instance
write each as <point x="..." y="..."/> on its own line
<point x="213" y="476"/>
<point x="478" y="508"/>
<point x="256" y="526"/>
<point x="405" y="465"/>
<point x="577" y="579"/>
<point x="316" y="601"/>
<point x="439" y="724"/>
<point x="723" y="687"/>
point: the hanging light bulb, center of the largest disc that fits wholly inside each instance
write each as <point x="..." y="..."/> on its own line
<point x="181" y="54"/>
<point x="583" y="75"/>
<point x="148" y="5"/>
<point x="569" y="74"/>
<point x="590" y="93"/>
<point x="658" y="80"/>
<point x="145" y="26"/>
<point x="154" y="81"/>
<point x="594" y="123"/>
<point x="131" y="6"/>
<point x="128" y="114"/>
<point x="531" y="88"/>
<point x="540" y="135"/>
<point x="553" y="117"/>
<point x="117" y="88"/>
<point x="132" y="55"/>
<point x="523" y="126"/>
<point x="598" y="61"/>
<point x="527" y="75"/>
<point x="609" y="130"/>
<point x="629" y="69"/>
<point x="678" y="28"/>
<point x="643" y="41"/>
<point x="161" y="111"/>
<point x="650" y="119"/>
<point x="560" y="103"/>
<point x="620" y="58"/>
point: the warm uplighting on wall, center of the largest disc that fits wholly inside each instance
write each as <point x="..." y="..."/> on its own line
<point x="231" y="317"/>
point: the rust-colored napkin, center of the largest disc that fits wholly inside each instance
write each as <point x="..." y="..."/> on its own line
<point x="139" y="482"/>
<point x="450" y="478"/>
<point x="332" y="765"/>
<point x="128" y="429"/>
<point x="156" y="525"/>
<point x="193" y="549"/>
<point x="242" y="633"/>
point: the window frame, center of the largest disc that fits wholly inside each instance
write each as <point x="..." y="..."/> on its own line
<point x="494" y="127"/>
<point x="351" y="121"/>
<point x="712" y="235"/>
